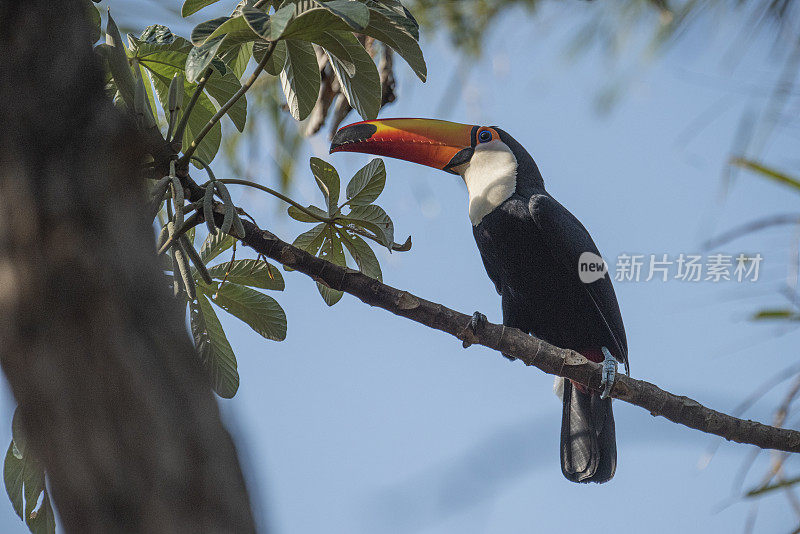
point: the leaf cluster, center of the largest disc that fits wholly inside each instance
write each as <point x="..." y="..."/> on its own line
<point x="340" y="227"/>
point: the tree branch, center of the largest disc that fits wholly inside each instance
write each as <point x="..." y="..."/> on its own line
<point x="528" y="349"/>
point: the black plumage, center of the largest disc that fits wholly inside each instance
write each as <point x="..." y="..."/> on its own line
<point x="530" y="246"/>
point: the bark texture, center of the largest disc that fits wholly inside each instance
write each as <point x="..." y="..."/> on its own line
<point x="96" y="352"/>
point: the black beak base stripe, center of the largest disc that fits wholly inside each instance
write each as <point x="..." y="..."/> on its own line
<point x="353" y="134"/>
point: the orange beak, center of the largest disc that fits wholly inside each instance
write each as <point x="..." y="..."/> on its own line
<point x="440" y="144"/>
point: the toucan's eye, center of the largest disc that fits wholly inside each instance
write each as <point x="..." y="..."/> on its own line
<point x="485" y="136"/>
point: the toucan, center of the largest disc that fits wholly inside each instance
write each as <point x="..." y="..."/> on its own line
<point x="533" y="250"/>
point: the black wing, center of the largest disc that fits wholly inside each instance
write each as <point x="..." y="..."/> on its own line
<point x="566" y="239"/>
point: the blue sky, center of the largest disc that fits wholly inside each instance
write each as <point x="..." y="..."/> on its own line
<point x="365" y="422"/>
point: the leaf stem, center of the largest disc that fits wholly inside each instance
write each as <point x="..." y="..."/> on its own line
<point x="330" y="220"/>
<point x="224" y="109"/>
<point x="188" y="224"/>
<point x="201" y="84"/>
<point x="405" y="247"/>
<point x="236" y="181"/>
<point x="206" y="167"/>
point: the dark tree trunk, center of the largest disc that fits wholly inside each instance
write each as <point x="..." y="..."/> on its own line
<point x="95" y="349"/>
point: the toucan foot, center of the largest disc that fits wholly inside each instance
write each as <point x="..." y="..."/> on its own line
<point x="473" y="329"/>
<point x="609" y="375"/>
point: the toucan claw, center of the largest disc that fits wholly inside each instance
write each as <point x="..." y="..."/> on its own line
<point x="473" y="329"/>
<point x="609" y="374"/>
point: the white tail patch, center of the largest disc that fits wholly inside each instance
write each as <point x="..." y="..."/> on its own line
<point x="491" y="178"/>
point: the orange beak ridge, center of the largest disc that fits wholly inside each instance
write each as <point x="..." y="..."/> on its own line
<point x="435" y="143"/>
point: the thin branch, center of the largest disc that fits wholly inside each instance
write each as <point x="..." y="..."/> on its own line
<point x="352" y="228"/>
<point x="753" y="226"/>
<point x="528" y="349"/>
<point x="201" y="84"/>
<point x="397" y="247"/>
<point x="248" y="183"/>
<point x="224" y="109"/>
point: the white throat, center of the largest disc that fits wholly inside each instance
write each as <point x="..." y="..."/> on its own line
<point x="491" y="178"/>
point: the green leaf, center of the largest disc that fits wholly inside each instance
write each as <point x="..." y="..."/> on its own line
<point x="298" y="215"/>
<point x="328" y="181"/>
<point x="279" y="20"/>
<point x="332" y="43"/>
<point x="216" y="354"/>
<point x="170" y="53"/>
<point x="221" y="88"/>
<point x="363" y="90"/>
<point x="34" y="485"/>
<point x="32" y="470"/>
<point x="24" y="477"/>
<point x="300" y="78"/>
<point x="214" y="245"/>
<point x="13" y="469"/>
<point x="253" y="273"/>
<point x="17" y="433"/>
<point x="94" y="21"/>
<point x="362" y="254"/>
<point x="202" y="31"/>
<point x="768" y="172"/>
<point x="238" y="57"/>
<point x="203" y="111"/>
<point x="276" y="61"/>
<point x="258" y="21"/>
<point x="236" y="31"/>
<point x="157" y="34"/>
<point x="117" y="58"/>
<point x="355" y="14"/>
<point x="374" y="219"/>
<point x="782" y="314"/>
<point x="331" y="251"/>
<point x="44" y="520"/>
<point x="395" y="11"/>
<point x="200" y="58"/>
<point x="168" y="59"/>
<point x="193" y="6"/>
<point x="148" y="87"/>
<point x="261" y="312"/>
<point x="367" y="184"/>
<point x="311" y="240"/>
<point x="311" y="23"/>
<point x="389" y="30"/>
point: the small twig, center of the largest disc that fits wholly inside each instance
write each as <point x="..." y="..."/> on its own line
<point x="224" y="109"/>
<point x="248" y="183"/>
<point x="405" y="247"/>
<point x="205" y="166"/>
<point x="753" y="226"/>
<point x="227" y="270"/>
<point x="192" y="221"/>
<point x="235" y="181"/>
<point x="201" y="84"/>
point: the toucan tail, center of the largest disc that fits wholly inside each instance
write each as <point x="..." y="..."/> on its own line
<point x="588" y="441"/>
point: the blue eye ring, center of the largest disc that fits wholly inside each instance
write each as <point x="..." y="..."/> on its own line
<point x="485" y="136"/>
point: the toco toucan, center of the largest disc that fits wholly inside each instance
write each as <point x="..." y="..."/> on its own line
<point x="531" y="247"/>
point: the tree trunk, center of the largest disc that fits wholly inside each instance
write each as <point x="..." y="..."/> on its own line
<point x="111" y="393"/>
